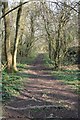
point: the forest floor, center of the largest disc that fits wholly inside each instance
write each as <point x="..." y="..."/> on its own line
<point x="43" y="96"/>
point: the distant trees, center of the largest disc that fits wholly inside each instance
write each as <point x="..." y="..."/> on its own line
<point x="29" y="42"/>
<point x="55" y="27"/>
<point x="47" y="20"/>
<point x="61" y="42"/>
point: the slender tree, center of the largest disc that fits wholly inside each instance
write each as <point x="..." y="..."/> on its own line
<point x="17" y="37"/>
<point x="79" y="34"/>
<point x="7" y="45"/>
<point x="46" y="18"/>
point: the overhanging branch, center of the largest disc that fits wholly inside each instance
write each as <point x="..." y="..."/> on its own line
<point x="33" y="1"/>
<point x="14" y="9"/>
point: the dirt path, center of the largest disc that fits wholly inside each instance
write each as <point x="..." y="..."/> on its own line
<point x="43" y="97"/>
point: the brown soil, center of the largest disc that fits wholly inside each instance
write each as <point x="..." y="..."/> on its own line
<point x="43" y="96"/>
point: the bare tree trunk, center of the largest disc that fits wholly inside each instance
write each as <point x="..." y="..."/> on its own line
<point x="8" y="54"/>
<point x="30" y="43"/>
<point x="50" y="49"/>
<point x="57" y="52"/>
<point x="48" y="37"/>
<point x="0" y="37"/>
<point x="1" y="112"/>
<point x="79" y="34"/>
<point x="17" y="37"/>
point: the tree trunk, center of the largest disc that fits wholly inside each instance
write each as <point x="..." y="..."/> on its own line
<point x="0" y="44"/>
<point x="17" y="37"/>
<point x="57" y="52"/>
<point x="50" y="51"/>
<point x="79" y="34"/>
<point x="30" y="42"/>
<point x="8" y="54"/>
<point x="46" y="25"/>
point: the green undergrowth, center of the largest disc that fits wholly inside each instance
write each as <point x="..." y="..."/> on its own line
<point x="69" y="77"/>
<point x="22" y="64"/>
<point x="30" y="60"/>
<point x="47" y="61"/>
<point x="11" y="85"/>
<point x="25" y="60"/>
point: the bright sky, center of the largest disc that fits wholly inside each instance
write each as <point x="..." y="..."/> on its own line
<point x="11" y="1"/>
<point x="46" y="0"/>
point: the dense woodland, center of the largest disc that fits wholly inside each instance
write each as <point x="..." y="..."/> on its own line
<point x="48" y="29"/>
<point x="51" y="23"/>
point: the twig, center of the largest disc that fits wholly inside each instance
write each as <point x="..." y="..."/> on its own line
<point x="34" y="107"/>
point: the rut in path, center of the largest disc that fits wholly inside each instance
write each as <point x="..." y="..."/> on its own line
<point x="43" y="96"/>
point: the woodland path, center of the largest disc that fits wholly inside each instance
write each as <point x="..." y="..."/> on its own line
<point x="43" y="96"/>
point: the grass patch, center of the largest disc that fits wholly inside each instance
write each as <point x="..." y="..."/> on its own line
<point x="20" y="65"/>
<point x="11" y="85"/>
<point x="70" y="77"/>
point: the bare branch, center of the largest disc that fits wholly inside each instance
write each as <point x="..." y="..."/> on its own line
<point x="13" y="9"/>
<point x="72" y="8"/>
<point x="34" y="1"/>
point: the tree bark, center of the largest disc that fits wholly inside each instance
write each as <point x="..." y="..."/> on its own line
<point x="79" y="34"/>
<point x="16" y="40"/>
<point x="8" y="54"/>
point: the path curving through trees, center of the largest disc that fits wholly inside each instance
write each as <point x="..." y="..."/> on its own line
<point x="43" y="96"/>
